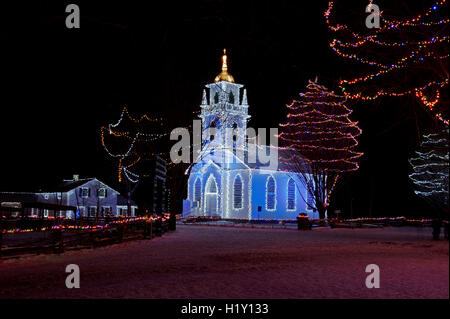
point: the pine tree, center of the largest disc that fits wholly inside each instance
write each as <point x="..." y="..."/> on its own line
<point x="321" y="140"/>
<point x="431" y="169"/>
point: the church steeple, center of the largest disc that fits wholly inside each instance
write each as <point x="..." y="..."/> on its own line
<point x="224" y="75"/>
<point x="244" y="98"/>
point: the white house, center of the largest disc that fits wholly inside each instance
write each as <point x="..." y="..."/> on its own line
<point x="87" y="197"/>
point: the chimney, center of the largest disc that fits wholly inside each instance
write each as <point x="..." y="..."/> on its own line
<point x="76" y="177"/>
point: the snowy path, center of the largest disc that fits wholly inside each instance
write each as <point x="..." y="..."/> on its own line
<point x="221" y="262"/>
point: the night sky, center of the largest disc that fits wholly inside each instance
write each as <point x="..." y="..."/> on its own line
<point x="59" y="86"/>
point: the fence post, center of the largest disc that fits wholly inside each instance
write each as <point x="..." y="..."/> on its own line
<point x="151" y="229"/>
<point x="147" y="231"/>
<point x="57" y="241"/>
<point x="1" y="231"/>
<point x="120" y="232"/>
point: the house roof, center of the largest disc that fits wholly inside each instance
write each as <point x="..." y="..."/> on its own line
<point x="67" y="185"/>
<point x="17" y="197"/>
<point x="123" y="201"/>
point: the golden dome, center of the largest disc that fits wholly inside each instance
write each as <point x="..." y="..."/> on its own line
<point x="224" y="75"/>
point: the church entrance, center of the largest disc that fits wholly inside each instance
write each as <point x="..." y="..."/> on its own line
<point x="211" y="197"/>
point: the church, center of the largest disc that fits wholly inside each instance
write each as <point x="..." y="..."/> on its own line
<point x="231" y="177"/>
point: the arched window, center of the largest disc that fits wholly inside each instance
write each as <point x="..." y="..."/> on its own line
<point x="197" y="192"/>
<point x="211" y="186"/>
<point x="237" y="192"/>
<point x="216" y="98"/>
<point x="291" y="195"/>
<point x="231" y="98"/>
<point x="270" y="193"/>
<point x="211" y="197"/>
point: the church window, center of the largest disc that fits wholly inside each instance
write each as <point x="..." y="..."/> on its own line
<point x="216" y="98"/>
<point x="212" y="130"/>
<point x="291" y="195"/>
<point x="197" y="192"/>
<point x="237" y="193"/>
<point x="270" y="193"/>
<point x="231" y="98"/>
<point x="234" y="131"/>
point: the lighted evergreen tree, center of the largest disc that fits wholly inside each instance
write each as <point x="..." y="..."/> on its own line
<point x="319" y="141"/>
<point x="407" y="55"/>
<point x="431" y="169"/>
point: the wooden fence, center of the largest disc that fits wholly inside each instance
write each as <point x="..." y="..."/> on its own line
<point x="21" y="236"/>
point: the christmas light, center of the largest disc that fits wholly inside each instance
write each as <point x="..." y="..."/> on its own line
<point x="123" y="220"/>
<point x="414" y="53"/>
<point x="431" y="169"/>
<point x="131" y="154"/>
<point x="319" y="141"/>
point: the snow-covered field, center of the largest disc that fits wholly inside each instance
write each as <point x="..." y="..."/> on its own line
<point x="223" y="262"/>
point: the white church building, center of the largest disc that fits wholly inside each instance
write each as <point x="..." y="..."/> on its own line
<point x="230" y="179"/>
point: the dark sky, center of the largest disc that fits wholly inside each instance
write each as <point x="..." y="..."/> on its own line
<point x="60" y="85"/>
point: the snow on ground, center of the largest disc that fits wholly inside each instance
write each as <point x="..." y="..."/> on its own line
<point x="224" y="262"/>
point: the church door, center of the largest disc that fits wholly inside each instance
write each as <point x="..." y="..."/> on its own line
<point x="211" y="197"/>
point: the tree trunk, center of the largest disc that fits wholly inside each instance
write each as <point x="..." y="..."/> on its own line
<point x="322" y="211"/>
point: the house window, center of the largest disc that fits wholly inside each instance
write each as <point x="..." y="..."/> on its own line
<point x="291" y="195"/>
<point x="92" y="211"/>
<point x="45" y="212"/>
<point x="82" y="211"/>
<point x="270" y="193"/>
<point x="101" y="192"/>
<point x="197" y="192"/>
<point x="237" y="193"/>
<point x="123" y="211"/>
<point x="58" y="196"/>
<point x="84" y="192"/>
